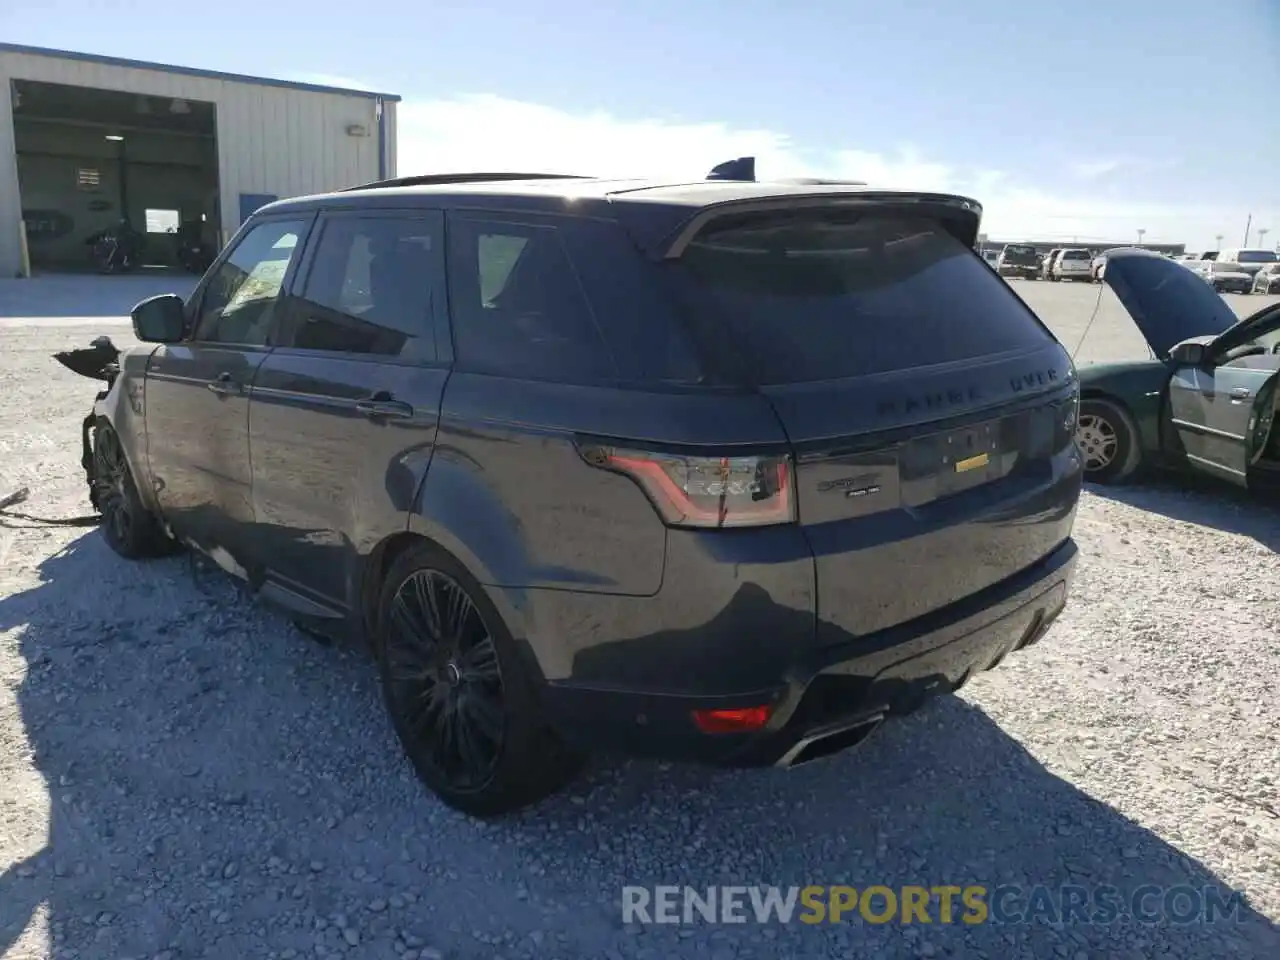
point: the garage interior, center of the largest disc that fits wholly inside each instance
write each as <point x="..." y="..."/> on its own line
<point x="88" y="158"/>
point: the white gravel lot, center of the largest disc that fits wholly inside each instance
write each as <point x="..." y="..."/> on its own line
<point x="184" y="775"/>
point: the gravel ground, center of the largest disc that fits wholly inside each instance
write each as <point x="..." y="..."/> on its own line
<point x="182" y="774"/>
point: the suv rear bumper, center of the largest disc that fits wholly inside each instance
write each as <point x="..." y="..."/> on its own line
<point x="834" y="696"/>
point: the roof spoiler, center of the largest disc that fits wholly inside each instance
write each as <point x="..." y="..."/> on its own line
<point x="432" y="179"/>
<point x="963" y="213"/>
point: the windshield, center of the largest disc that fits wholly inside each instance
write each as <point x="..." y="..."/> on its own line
<point x="827" y="296"/>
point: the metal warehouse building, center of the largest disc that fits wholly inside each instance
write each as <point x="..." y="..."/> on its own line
<point x="86" y="140"/>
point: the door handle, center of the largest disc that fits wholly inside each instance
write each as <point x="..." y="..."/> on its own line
<point x="1241" y="393"/>
<point x="224" y="385"/>
<point x="381" y="406"/>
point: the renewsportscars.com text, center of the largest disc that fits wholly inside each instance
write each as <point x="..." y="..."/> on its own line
<point x="942" y="904"/>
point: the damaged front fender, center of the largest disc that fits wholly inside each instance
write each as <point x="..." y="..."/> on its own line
<point x="120" y="404"/>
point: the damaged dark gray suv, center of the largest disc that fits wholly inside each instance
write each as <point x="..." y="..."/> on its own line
<point x="724" y="471"/>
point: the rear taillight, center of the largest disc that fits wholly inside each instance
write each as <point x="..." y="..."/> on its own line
<point x="707" y="491"/>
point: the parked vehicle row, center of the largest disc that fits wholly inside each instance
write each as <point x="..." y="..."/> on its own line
<point x="1227" y="271"/>
<point x="593" y="464"/>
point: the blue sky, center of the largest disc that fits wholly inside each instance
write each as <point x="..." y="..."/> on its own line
<point x="1064" y="118"/>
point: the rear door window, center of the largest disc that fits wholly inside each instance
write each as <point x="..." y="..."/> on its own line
<point x="370" y="289"/>
<point x="810" y="297"/>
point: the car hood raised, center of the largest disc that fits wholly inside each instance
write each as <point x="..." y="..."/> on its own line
<point x="1167" y="302"/>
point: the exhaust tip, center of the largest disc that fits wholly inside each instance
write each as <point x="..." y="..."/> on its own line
<point x="829" y="744"/>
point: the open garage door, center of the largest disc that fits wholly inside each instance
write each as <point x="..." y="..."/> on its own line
<point x="89" y="159"/>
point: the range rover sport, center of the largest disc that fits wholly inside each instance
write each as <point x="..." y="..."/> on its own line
<point x="723" y="471"/>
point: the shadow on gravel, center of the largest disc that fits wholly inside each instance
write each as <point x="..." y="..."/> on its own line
<point x="219" y="787"/>
<point x="87" y="295"/>
<point x="1201" y="501"/>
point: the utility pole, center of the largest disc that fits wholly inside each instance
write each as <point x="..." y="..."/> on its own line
<point x="1247" y="224"/>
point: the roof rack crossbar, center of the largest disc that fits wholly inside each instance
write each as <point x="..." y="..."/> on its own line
<point x="430" y="179"/>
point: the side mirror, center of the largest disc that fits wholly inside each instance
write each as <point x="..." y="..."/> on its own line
<point x="1189" y="353"/>
<point x="160" y="319"/>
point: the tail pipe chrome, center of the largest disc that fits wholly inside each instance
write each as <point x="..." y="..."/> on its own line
<point x="833" y="740"/>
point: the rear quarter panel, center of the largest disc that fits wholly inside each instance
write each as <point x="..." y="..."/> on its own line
<point x="1141" y="388"/>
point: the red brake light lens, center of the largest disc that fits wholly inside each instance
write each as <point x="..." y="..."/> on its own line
<point x="737" y="720"/>
<point x="708" y="491"/>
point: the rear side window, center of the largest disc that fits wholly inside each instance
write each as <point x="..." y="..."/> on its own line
<point x="809" y="297"/>
<point x="518" y="306"/>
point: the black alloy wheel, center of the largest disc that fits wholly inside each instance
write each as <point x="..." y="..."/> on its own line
<point x="128" y="527"/>
<point x="444" y="676"/>
<point x="461" y="697"/>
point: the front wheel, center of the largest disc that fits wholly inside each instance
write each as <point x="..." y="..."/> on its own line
<point x="1108" y="442"/>
<point x="129" y="528"/>
<point x="461" y="699"/>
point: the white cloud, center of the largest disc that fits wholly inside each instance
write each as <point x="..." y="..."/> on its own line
<point x="487" y="132"/>
<point x="1092" y="169"/>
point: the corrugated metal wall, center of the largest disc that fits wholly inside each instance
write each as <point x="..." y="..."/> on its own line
<point x="272" y="140"/>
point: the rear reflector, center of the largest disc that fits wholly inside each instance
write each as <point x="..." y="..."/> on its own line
<point x="707" y="491"/>
<point x="737" y="720"/>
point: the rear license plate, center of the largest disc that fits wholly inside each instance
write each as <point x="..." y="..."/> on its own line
<point x="952" y="462"/>
<point x="972" y="450"/>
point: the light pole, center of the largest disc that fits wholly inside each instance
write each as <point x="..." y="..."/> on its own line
<point x="1262" y="236"/>
<point x="1218" y="241"/>
<point x="1140" y="233"/>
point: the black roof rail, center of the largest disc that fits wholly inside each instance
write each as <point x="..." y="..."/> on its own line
<point x="431" y="179"/>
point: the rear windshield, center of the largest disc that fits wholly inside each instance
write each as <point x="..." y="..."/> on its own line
<point x="825" y="296"/>
<point x="1076" y="255"/>
<point x="1256" y="256"/>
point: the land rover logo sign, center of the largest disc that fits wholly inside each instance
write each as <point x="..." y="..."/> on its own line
<point x="43" y="225"/>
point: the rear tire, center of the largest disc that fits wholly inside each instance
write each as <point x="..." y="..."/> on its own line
<point x="129" y="528"/>
<point x="1108" y="442"/>
<point x="461" y="699"/>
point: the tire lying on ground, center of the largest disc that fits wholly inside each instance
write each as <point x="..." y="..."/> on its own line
<point x="1108" y="441"/>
